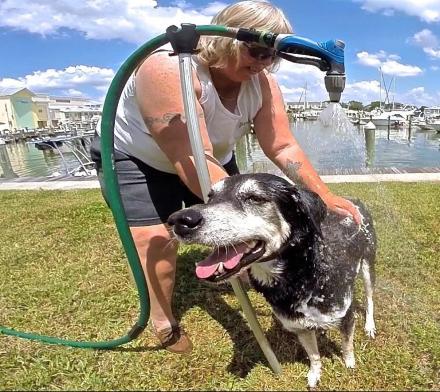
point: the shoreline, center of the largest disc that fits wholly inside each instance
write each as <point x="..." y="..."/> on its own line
<point x="73" y="183"/>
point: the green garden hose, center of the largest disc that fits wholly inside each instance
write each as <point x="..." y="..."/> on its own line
<point x="114" y="197"/>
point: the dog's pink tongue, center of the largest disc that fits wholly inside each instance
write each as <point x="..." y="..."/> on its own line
<point x="229" y="256"/>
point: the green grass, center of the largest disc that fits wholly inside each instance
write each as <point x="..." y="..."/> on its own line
<point x="63" y="272"/>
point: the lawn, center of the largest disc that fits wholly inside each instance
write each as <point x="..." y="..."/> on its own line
<point x="63" y="273"/>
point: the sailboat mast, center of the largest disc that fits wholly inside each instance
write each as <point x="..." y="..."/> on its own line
<point x="305" y="97"/>
<point x="394" y="89"/>
<point x="380" y="88"/>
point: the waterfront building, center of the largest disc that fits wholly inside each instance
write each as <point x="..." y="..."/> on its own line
<point x="22" y="109"/>
<point x="73" y="110"/>
<point x="433" y="111"/>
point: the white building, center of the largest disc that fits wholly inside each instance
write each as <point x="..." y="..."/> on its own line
<point x="23" y="109"/>
<point x="67" y="110"/>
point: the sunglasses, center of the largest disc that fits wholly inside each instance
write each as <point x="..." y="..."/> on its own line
<point x="260" y="53"/>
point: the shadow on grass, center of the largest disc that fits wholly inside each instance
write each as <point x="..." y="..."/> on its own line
<point x="190" y="292"/>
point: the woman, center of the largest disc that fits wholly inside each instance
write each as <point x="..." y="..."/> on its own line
<point x="153" y="156"/>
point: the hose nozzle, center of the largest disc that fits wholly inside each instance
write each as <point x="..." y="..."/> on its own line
<point x="334" y="84"/>
<point x="327" y="56"/>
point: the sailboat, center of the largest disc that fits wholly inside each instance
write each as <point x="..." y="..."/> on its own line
<point x="396" y="118"/>
<point x="308" y="113"/>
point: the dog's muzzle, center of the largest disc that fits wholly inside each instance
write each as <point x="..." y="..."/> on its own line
<point x="185" y="222"/>
<point x="225" y="260"/>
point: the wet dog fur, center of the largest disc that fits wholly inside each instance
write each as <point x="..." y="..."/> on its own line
<point x="303" y="258"/>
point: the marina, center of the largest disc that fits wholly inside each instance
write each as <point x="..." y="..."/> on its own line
<point x="50" y="157"/>
<point x="357" y="151"/>
<point x="54" y="142"/>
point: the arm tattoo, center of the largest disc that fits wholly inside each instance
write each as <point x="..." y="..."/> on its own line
<point x="164" y="120"/>
<point x="167" y="118"/>
<point x="291" y="171"/>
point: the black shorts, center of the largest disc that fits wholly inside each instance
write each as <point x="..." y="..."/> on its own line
<point x="149" y="196"/>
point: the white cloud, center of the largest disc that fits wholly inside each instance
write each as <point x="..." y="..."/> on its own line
<point x="369" y="90"/>
<point x="71" y="92"/>
<point x="370" y="60"/>
<point x="133" y="21"/>
<point x="434" y="53"/>
<point x="427" y="40"/>
<point x="363" y="91"/>
<point x="394" y="57"/>
<point x="426" y="10"/>
<point x="293" y="78"/>
<point x="418" y="96"/>
<point x="391" y="67"/>
<point x="73" y="78"/>
<point x="388" y="64"/>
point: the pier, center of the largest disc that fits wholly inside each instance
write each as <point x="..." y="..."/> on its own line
<point x="25" y="135"/>
<point x="330" y="177"/>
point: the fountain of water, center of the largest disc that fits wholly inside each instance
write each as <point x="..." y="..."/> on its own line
<point x="342" y="134"/>
<point x="356" y="142"/>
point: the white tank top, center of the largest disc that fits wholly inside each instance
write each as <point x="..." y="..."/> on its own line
<point x="132" y="136"/>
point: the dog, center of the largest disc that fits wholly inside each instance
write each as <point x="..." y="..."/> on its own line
<point x="302" y="257"/>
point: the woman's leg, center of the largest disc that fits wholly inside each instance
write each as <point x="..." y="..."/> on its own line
<point x="149" y="196"/>
<point x="157" y="253"/>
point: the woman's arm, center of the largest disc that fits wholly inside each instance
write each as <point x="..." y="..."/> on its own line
<point x="158" y="93"/>
<point x="279" y="145"/>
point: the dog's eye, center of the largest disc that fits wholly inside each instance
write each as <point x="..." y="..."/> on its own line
<point x="254" y="199"/>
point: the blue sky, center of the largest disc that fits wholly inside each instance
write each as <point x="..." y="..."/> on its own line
<point x="74" y="47"/>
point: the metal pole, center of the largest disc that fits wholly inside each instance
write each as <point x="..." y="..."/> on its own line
<point x="189" y="101"/>
<point x="389" y="120"/>
<point x="192" y="121"/>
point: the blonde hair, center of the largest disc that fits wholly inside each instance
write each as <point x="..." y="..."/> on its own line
<point x="252" y="14"/>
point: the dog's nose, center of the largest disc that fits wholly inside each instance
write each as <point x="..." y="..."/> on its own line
<point x="185" y="221"/>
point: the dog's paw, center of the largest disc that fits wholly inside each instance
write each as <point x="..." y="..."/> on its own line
<point x="350" y="361"/>
<point x="313" y="377"/>
<point x="370" y="329"/>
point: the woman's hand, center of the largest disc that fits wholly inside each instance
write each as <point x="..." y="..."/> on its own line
<point x="342" y="206"/>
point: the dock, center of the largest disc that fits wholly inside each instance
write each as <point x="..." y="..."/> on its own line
<point x="331" y="177"/>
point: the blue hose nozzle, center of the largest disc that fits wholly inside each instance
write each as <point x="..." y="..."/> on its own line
<point x="327" y="56"/>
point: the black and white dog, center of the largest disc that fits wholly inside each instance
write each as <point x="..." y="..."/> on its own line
<point x="303" y="258"/>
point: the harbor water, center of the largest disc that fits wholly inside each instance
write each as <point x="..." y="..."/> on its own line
<point x="330" y="151"/>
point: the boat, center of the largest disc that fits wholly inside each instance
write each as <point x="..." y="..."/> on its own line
<point x="387" y="115"/>
<point x="48" y="143"/>
<point x="309" y="111"/>
<point x="356" y="117"/>
<point x="310" y="114"/>
<point x="430" y="124"/>
<point x="76" y="145"/>
<point x="393" y="119"/>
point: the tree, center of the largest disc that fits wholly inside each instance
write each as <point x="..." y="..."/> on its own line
<point x="373" y="105"/>
<point x="355" y="105"/>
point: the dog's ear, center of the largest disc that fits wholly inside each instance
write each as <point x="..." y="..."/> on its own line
<point x="312" y="207"/>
